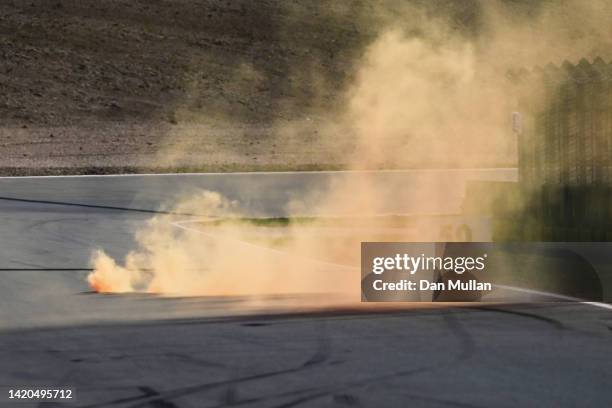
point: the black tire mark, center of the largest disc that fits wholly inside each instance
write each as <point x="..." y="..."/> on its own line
<point x="320" y="355"/>
<point x="468" y="345"/>
<point x="553" y="322"/>
<point x="467" y="350"/>
<point x="148" y="391"/>
<point x="313" y="397"/>
<point x="44" y="269"/>
<point x="103" y="207"/>
<point x="58" y="236"/>
<point x="195" y="361"/>
<point x="178" y="392"/>
<point x="323" y="350"/>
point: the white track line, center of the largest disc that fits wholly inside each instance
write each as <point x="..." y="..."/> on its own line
<point x="556" y="296"/>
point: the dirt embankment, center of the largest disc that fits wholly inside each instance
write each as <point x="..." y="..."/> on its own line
<point x="90" y="86"/>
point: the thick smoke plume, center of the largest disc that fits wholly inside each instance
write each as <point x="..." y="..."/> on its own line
<point x="425" y="94"/>
<point x="193" y="259"/>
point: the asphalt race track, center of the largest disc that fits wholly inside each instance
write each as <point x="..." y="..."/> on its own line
<point x="146" y="351"/>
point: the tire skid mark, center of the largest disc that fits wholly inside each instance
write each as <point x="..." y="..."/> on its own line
<point x="147" y="400"/>
<point x="317" y="359"/>
<point x="549" y="320"/>
<point x="96" y="206"/>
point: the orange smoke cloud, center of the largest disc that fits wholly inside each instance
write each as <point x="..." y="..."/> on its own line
<point x="432" y="99"/>
<point x="107" y="276"/>
<point x="220" y="260"/>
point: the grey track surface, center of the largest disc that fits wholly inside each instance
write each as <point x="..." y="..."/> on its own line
<point x="143" y="351"/>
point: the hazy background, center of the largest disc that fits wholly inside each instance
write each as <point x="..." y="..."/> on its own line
<point x="94" y="86"/>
